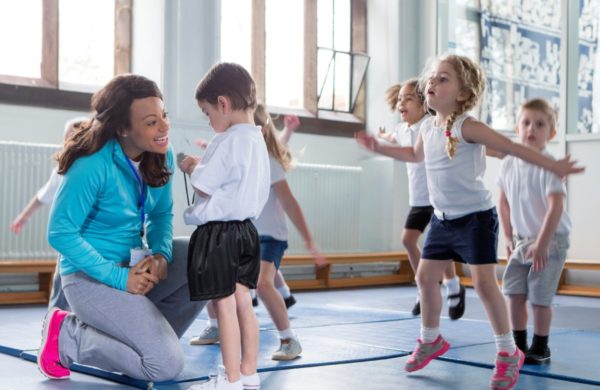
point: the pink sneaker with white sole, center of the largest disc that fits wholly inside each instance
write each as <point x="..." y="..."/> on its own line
<point x="48" y="357"/>
<point x="426" y="352"/>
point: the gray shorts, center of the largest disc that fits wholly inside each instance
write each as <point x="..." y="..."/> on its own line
<point x="539" y="286"/>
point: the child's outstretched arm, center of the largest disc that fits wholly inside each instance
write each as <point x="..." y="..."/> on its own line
<point x="538" y="251"/>
<point x="294" y="212"/>
<point x="504" y="211"/>
<point x="17" y="225"/>
<point x="402" y="153"/>
<point x="478" y="132"/>
<point x="290" y="123"/>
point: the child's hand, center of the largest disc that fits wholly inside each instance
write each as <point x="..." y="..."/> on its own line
<point x="202" y="143"/>
<point x="291" y="122"/>
<point x="320" y="260"/>
<point x="539" y="254"/>
<point x="509" y="249"/>
<point x="566" y="166"/>
<point x="366" y="140"/>
<point x="17" y="225"/>
<point x="188" y="163"/>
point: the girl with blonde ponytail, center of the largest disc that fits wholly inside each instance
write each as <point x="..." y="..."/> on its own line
<point x="453" y="146"/>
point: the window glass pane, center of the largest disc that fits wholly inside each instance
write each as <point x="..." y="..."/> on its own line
<point x="588" y="81"/>
<point x="325" y="79"/>
<point x="86" y="41"/>
<point x="284" y="57"/>
<point x="324" y="23"/>
<point x="341" y="25"/>
<point x="341" y="83"/>
<point x="236" y="32"/>
<point x="23" y="20"/>
<point x="520" y="55"/>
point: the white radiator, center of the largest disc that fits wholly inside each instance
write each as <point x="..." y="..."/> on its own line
<point x="330" y="199"/>
<point x="25" y="168"/>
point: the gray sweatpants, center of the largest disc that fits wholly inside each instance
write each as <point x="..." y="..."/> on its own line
<point x="121" y="332"/>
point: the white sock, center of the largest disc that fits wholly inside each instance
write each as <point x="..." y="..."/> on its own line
<point x="452" y="287"/>
<point x="251" y="381"/>
<point x="253" y="293"/>
<point x="429" y="335"/>
<point x="287" y="334"/>
<point x="284" y="291"/>
<point x="213" y="322"/>
<point x="505" y="343"/>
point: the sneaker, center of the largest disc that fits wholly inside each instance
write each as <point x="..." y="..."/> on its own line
<point x="457" y="311"/>
<point x="289" y="301"/>
<point x="416" y="310"/>
<point x="251" y="382"/>
<point x="218" y="382"/>
<point x="426" y="352"/>
<point x="210" y="335"/>
<point x="537" y="357"/>
<point x="254" y="301"/>
<point x="289" y="349"/>
<point x="507" y="369"/>
<point x="48" y="359"/>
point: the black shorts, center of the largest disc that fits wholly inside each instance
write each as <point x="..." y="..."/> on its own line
<point x="220" y="255"/>
<point x="472" y="239"/>
<point x="418" y="218"/>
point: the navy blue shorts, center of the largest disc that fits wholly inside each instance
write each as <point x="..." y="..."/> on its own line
<point x="472" y="239"/>
<point x="272" y="250"/>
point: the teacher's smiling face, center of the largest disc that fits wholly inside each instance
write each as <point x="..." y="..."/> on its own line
<point x="148" y="129"/>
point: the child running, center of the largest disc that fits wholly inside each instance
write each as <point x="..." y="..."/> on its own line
<point x="465" y="223"/>
<point x="272" y="228"/>
<point x="232" y="185"/>
<point x="536" y="229"/>
<point x="409" y="100"/>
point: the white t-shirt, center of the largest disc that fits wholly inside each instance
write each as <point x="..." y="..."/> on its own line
<point x="527" y="187"/>
<point x="234" y="172"/>
<point x="271" y="221"/>
<point x="418" y="194"/>
<point x="455" y="185"/>
<point x="46" y="194"/>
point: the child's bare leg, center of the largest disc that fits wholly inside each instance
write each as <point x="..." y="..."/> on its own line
<point x="429" y="275"/>
<point x="517" y="304"/>
<point x="248" y="326"/>
<point x="450" y="271"/>
<point x="410" y="239"/>
<point x="542" y="317"/>
<point x="270" y="296"/>
<point x="486" y="285"/>
<point x="210" y="309"/>
<point x="229" y="335"/>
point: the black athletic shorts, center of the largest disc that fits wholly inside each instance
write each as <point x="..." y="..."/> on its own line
<point x="221" y="254"/>
<point x="418" y="218"/>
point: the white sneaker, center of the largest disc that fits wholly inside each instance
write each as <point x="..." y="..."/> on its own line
<point x="251" y="382"/>
<point x="289" y="349"/>
<point x="210" y="335"/>
<point x="218" y="382"/>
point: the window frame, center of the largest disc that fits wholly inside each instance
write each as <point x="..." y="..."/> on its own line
<point x="44" y="91"/>
<point x="313" y="119"/>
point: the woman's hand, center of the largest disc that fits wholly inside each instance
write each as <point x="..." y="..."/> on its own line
<point x="565" y="166"/>
<point x="139" y="280"/>
<point x="158" y="266"/>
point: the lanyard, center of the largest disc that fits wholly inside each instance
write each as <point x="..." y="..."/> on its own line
<point x="142" y="202"/>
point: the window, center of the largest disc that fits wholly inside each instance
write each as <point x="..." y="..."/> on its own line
<point x="67" y="47"/>
<point x="312" y="64"/>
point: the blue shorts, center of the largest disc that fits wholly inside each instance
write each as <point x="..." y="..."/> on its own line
<point x="471" y="239"/>
<point x="272" y="250"/>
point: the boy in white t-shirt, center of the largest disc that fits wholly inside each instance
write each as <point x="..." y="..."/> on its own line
<point x="232" y="185"/>
<point x="536" y="229"/>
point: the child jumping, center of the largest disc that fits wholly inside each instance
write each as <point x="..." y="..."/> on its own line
<point x="465" y="223"/>
<point x="232" y="185"/>
<point x="409" y="100"/>
<point x="536" y="229"/>
<point x="272" y="228"/>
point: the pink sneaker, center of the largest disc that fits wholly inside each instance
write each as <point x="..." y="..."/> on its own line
<point x="426" y="352"/>
<point x="48" y="358"/>
<point x="507" y="369"/>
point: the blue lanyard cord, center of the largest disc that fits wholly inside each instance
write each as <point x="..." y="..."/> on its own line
<point x="142" y="202"/>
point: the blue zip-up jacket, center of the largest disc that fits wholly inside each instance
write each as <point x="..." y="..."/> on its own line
<point x="95" y="219"/>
